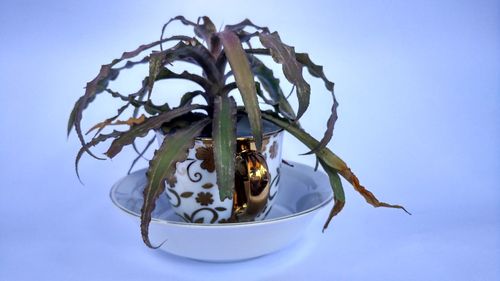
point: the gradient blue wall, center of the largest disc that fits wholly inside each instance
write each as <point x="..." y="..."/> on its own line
<point x="419" y="91"/>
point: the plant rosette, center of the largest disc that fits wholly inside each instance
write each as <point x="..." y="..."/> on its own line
<point x="224" y="175"/>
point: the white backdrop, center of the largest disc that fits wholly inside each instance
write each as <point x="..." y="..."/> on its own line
<point x="419" y="92"/>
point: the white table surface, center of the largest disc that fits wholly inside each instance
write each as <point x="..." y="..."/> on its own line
<point x="419" y="89"/>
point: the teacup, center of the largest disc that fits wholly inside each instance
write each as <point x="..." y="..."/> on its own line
<point x="195" y="194"/>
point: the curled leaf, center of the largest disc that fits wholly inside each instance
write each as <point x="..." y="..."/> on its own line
<point x="156" y="62"/>
<point x="174" y="149"/>
<point x="148" y="105"/>
<point x="130" y="122"/>
<point x="347" y="174"/>
<point x="317" y="71"/>
<point x="194" y="52"/>
<point x="188" y="97"/>
<point x="140" y="154"/>
<point x="95" y="141"/>
<point x="338" y="193"/>
<point x="285" y="55"/>
<point x="272" y="86"/>
<point x="329" y="160"/>
<point x="243" y="24"/>
<point x="99" y="84"/>
<point x="204" y="31"/>
<point x="101" y="125"/>
<point x="142" y="129"/>
<point x="166" y="73"/>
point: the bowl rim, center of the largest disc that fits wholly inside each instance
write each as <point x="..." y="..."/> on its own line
<point x="223" y="225"/>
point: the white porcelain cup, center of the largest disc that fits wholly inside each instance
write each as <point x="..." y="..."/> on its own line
<point x="195" y="195"/>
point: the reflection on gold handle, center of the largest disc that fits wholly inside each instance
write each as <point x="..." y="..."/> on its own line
<point x="252" y="185"/>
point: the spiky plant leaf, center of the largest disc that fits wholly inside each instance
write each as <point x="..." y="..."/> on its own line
<point x="317" y="71"/>
<point x="130" y="122"/>
<point x="148" y="105"/>
<point x="141" y="154"/>
<point x="74" y="111"/>
<point x="156" y="62"/>
<point x="142" y="129"/>
<point x="204" y="31"/>
<point x="243" y="24"/>
<point x="188" y="97"/>
<point x="166" y="73"/>
<point x="329" y="159"/>
<point x="135" y="114"/>
<point x="99" y="83"/>
<point x="245" y="81"/>
<point x="95" y="141"/>
<point x="101" y="125"/>
<point x="224" y="142"/>
<point x="338" y="193"/>
<point x="261" y="94"/>
<point x="272" y="85"/>
<point x="194" y="52"/>
<point x="174" y="149"/>
<point x="285" y="55"/>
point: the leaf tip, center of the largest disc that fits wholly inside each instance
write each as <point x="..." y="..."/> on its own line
<point x="225" y="195"/>
<point x="406" y="211"/>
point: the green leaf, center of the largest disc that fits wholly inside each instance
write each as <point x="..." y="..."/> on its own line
<point x="245" y="81"/>
<point x="224" y="142"/>
<point x="338" y="193"/>
<point x="328" y="159"/>
<point x="174" y="149"/>
<point x="72" y="116"/>
<point x="188" y="97"/>
<point x="142" y="129"/>
<point x="292" y="69"/>
<point x="272" y="85"/>
<point x="156" y="62"/>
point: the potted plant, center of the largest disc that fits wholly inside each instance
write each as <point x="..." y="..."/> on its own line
<point x="242" y="165"/>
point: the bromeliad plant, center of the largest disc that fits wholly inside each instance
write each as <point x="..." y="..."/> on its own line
<point x="213" y="51"/>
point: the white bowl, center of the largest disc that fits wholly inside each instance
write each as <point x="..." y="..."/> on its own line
<point x="303" y="193"/>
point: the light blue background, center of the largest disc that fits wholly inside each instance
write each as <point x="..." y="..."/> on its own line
<point x="419" y="91"/>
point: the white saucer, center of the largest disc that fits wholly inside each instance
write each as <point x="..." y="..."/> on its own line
<point x="302" y="193"/>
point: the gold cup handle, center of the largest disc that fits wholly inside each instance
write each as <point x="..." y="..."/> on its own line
<point x="252" y="185"/>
